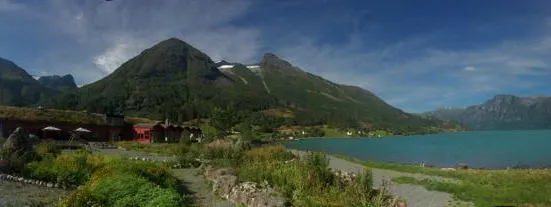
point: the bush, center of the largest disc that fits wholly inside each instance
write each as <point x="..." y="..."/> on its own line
<point x="47" y="148"/>
<point x="70" y="168"/>
<point x="131" y="190"/>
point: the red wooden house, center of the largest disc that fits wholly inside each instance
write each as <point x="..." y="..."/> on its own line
<point x="160" y="132"/>
<point x="148" y="133"/>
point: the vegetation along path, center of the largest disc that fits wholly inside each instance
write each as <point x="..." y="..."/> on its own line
<point x="415" y="196"/>
<point x="194" y="183"/>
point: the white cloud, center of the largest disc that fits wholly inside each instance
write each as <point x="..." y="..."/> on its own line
<point x="7" y="5"/>
<point x="469" y="68"/>
<point x="106" y="34"/>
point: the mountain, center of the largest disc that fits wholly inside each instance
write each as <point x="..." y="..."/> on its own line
<point x="18" y="88"/>
<point x="62" y="83"/>
<point x="175" y="80"/>
<point x="502" y="112"/>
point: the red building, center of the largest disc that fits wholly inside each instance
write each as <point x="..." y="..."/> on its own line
<point x="159" y="132"/>
<point x="148" y="133"/>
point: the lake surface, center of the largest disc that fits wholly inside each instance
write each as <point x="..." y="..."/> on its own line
<point x="487" y="149"/>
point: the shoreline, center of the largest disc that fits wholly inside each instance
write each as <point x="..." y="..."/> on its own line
<point x="397" y="165"/>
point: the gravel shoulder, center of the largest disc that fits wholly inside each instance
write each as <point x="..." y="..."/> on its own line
<point x="415" y="196"/>
<point x="20" y="194"/>
<point x="196" y="185"/>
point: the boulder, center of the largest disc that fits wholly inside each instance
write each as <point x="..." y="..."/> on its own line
<point x="50" y="185"/>
<point x="253" y="195"/>
<point x="212" y="173"/>
<point x="224" y="184"/>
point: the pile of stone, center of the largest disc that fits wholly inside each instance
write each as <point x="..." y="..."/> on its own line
<point x="19" y="179"/>
<point x="102" y="145"/>
<point x="246" y="193"/>
<point x="347" y="177"/>
<point x="174" y="166"/>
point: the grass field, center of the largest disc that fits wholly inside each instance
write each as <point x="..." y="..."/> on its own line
<point x="515" y="187"/>
<point x="156" y="148"/>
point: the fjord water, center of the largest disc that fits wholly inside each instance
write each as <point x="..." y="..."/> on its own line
<point x="480" y="149"/>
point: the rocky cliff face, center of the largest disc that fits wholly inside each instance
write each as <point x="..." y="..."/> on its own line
<point x="62" y="83"/>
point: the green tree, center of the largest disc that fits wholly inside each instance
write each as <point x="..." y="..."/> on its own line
<point x="222" y="120"/>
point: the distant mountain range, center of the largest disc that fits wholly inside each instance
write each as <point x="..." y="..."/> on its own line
<point x="18" y="88"/>
<point x="502" y="112"/>
<point x="62" y="83"/>
<point x="174" y="80"/>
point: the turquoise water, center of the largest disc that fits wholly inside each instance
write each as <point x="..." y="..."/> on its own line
<point x="482" y="149"/>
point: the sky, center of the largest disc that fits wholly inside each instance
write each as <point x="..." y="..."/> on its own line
<point x="416" y="55"/>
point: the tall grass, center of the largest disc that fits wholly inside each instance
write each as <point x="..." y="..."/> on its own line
<point x="108" y="180"/>
<point x="306" y="183"/>
<point x="515" y="187"/>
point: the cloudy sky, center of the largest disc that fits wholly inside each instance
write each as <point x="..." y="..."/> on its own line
<point x="416" y="55"/>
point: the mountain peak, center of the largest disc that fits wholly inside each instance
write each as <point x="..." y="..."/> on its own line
<point x="272" y="61"/>
<point x="58" y="82"/>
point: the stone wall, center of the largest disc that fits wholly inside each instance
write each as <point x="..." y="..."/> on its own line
<point x="226" y="184"/>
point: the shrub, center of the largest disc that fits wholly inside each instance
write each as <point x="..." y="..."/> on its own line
<point x="131" y="190"/>
<point x="71" y="168"/>
<point x="47" y="148"/>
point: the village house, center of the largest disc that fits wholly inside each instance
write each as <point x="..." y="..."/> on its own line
<point x="162" y="132"/>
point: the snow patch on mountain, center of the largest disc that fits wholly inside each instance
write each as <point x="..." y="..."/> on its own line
<point x="226" y="66"/>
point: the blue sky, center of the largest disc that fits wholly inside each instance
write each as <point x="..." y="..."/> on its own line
<point x="416" y="55"/>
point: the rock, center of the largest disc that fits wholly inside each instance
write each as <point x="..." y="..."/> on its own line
<point x="461" y="166"/>
<point x="18" y="142"/>
<point x="20" y="179"/>
<point x="220" y="172"/>
<point x="223" y="185"/>
<point x="50" y="185"/>
<point x="56" y="185"/>
<point x="252" y="195"/>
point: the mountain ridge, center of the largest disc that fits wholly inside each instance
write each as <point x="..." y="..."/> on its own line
<point x="172" y="79"/>
<point x="502" y="112"/>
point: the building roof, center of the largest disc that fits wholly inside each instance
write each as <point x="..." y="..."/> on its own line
<point x="49" y="115"/>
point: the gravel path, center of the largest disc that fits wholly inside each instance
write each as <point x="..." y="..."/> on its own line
<point x="19" y="194"/>
<point x="196" y="185"/>
<point x="415" y="196"/>
<point x="129" y="153"/>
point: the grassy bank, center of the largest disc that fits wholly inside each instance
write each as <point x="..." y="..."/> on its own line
<point x="307" y="182"/>
<point x="516" y="187"/>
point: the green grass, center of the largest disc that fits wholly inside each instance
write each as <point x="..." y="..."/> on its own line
<point x="332" y="132"/>
<point x="108" y="180"/>
<point x="156" y="148"/>
<point x="482" y="187"/>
